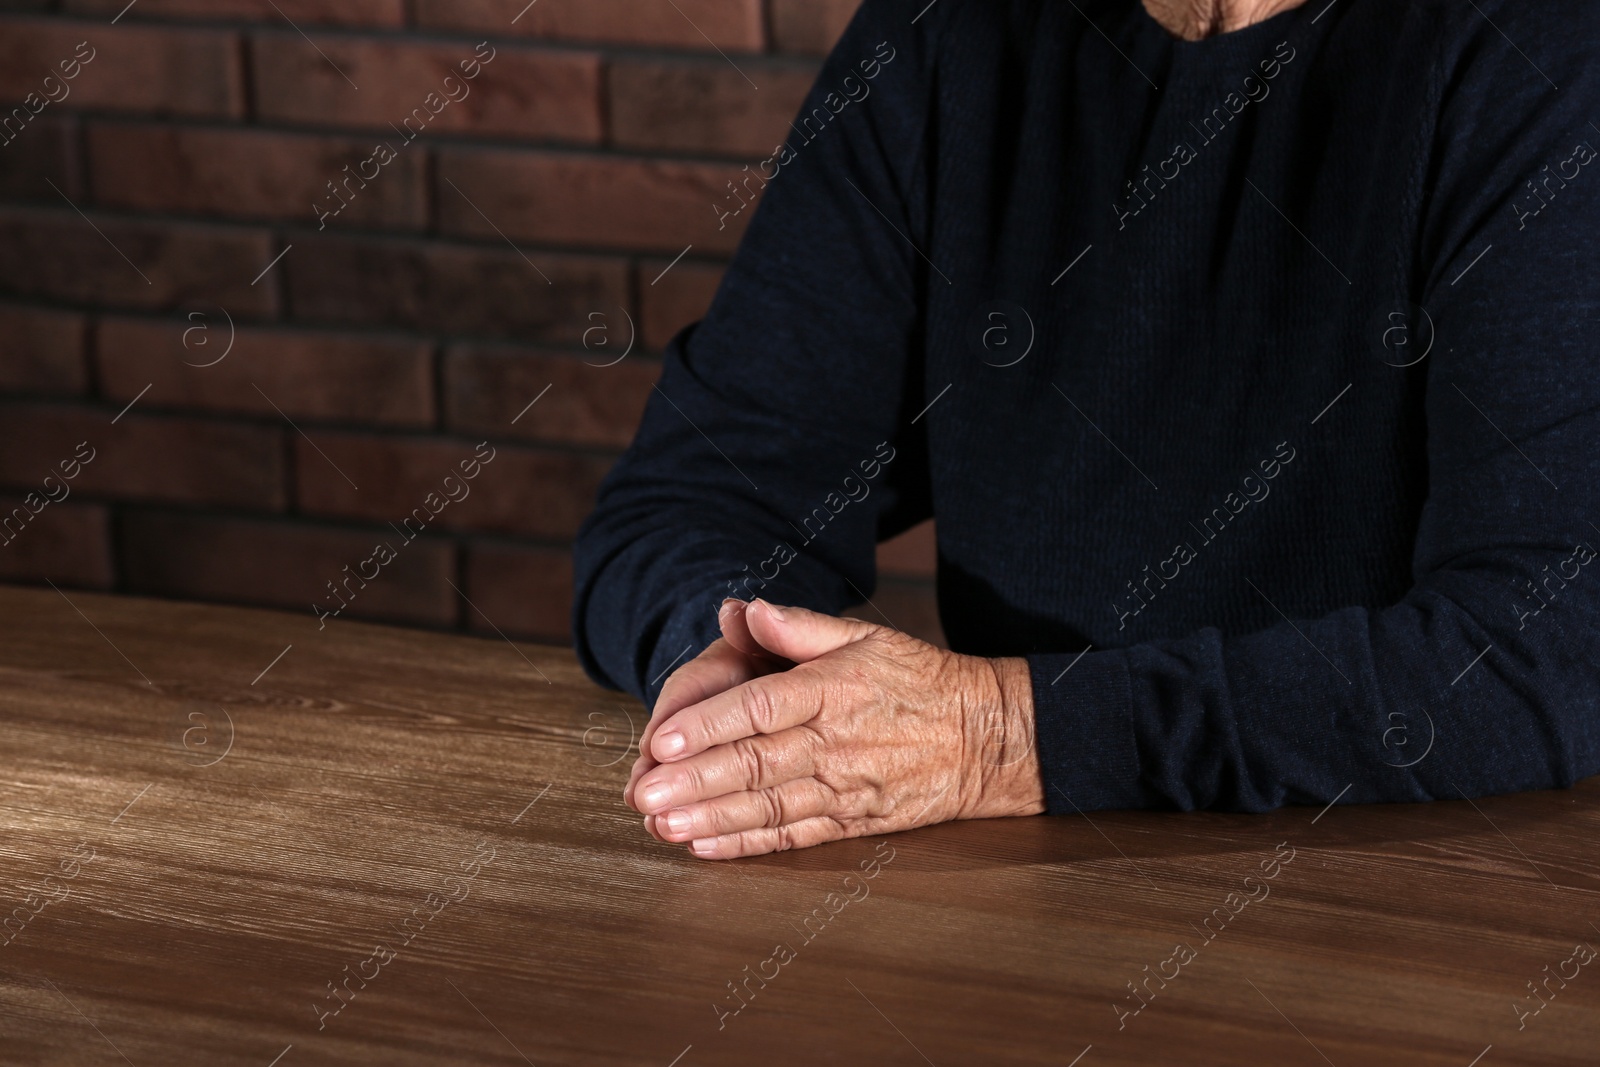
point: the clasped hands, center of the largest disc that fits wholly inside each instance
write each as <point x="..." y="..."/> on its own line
<point x="796" y="728"/>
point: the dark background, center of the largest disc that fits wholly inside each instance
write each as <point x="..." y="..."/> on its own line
<point x="376" y="353"/>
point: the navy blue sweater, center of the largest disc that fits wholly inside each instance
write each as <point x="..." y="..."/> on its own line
<point x="1252" y="381"/>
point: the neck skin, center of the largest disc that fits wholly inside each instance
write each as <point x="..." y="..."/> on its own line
<point x="1194" y="20"/>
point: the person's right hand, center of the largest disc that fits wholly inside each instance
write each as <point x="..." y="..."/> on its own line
<point x="728" y="662"/>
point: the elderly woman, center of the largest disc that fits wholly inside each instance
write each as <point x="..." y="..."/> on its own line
<point x="1245" y="353"/>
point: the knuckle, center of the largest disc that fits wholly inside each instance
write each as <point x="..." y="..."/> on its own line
<point x="775" y="816"/>
<point x="785" y="839"/>
<point x="753" y="764"/>
<point x="879" y="637"/>
<point x="876" y="632"/>
<point x="760" y="708"/>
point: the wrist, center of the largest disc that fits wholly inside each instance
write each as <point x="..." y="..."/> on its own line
<point x="1004" y="755"/>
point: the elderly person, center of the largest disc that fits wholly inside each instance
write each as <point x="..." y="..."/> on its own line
<point x="1245" y="353"/>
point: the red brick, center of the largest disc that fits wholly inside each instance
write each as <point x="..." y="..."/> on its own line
<point x="595" y="201"/>
<point x="588" y="403"/>
<point x="704" y="105"/>
<point x="57" y="255"/>
<point x="41" y="351"/>
<point x="454" y="289"/>
<point x="522" y="591"/>
<point x="522" y="92"/>
<point x="187" y="171"/>
<point x="175" y="460"/>
<point x="672" y="301"/>
<point x="131" y="68"/>
<point x="732" y="25"/>
<point x="810" y="27"/>
<point x="906" y="605"/>
<point x="285" y="564"/>
<point x="913" y="554"/>
<point x="520" y="491"/>
<point x="67" y="542"/>
<point x="41" y="154"/>
<point x="310" y="12"/>
<point x="308" y="376"/>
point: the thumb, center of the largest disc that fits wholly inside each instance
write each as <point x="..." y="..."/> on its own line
<point x="798" y="634"/>
<point x="736" y="631"/>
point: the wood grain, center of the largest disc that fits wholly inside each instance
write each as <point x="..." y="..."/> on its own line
<point x="237" y="871"/>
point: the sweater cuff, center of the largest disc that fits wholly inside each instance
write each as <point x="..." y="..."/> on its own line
<point x="1083" y="723"/>
<point x="688" y="631"/>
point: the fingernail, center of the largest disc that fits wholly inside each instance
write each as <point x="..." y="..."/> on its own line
<point x="777" y="612"/>
<point x="704" y="847"/>
<point x="679" y="822"/>
<point x="730" y="604"/>
<point x="655" y="797"/>
<point x="669" y="744"/>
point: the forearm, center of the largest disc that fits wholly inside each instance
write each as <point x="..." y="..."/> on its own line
<point x="775" y="441"/>
<point x="1420" y="701"/>
<point x="647" y="593"/>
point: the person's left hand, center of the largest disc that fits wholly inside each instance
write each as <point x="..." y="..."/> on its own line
<point x="731" y="660"/>
<point x="872" y="731"/>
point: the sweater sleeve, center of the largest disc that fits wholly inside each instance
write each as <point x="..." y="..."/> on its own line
<point x="1485" y="677"/>
<point x="778" y="448"/>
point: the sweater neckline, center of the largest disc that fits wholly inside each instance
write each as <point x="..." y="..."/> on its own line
<point x="1225" y="42"/>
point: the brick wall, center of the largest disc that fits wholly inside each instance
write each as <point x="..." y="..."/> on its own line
<point x="277" y="341"/>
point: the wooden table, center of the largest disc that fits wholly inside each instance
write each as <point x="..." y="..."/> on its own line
<point x="382" y="846"/>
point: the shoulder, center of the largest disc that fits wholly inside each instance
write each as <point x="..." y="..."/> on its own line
<point x="1513" y="85"/>
<point x="1530" y="34"/>
<point x="1510" y="70"/>
<point x="1550" y="19"/>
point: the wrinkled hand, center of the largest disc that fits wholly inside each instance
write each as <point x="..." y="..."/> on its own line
<point x="869" y="731"/>
<point x="731" y="660"/>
